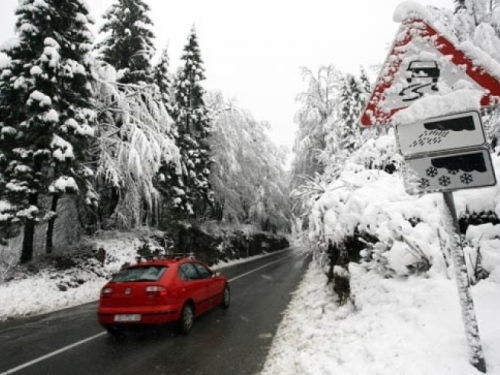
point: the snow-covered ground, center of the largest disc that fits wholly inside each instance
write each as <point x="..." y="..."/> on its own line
<point x="51" y="289"/>
<point x="411" y="327"/>
<point x="404" y="316"/>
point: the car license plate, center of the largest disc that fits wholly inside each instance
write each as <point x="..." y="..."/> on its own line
<point x="127" y="317"/>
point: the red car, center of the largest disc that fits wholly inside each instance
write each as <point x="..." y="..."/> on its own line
<point x="161" y="291"/>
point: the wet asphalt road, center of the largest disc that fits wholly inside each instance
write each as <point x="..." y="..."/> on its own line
<point x="223" y="342"/>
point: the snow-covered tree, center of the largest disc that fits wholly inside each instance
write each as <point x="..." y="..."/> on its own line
<point x="128" y="43"/>
<point x="134" y="141"/>
<point x="163" y="79"/>
<point x="190" y="187"/>
<point x="352" y="106"/>
<point x="46" y="111"/>
<point x="319" y="105"/>
<point x="248" y="177"/>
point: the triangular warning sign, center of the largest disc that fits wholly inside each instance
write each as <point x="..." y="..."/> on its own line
<point x="423" y="62"/>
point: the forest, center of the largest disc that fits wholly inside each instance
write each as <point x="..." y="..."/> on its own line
<point x="101" y="135"/>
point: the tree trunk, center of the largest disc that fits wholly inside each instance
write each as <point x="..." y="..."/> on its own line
<point x="50" y="229"/>
<point x="29" y="233"/>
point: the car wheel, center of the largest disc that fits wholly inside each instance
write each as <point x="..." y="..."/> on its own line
<point x="226" y="297"/>
<point x="187" y="319"/>
<point x="115" y="332"/>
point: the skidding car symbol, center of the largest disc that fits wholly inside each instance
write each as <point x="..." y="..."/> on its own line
<point x="419" y="69"/>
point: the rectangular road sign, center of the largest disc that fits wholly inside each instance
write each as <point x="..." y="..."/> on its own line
<point x="450" y="171"/>
<point x="446" y="133"/>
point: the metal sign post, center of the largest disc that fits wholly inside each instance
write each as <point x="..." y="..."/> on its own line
<point x="463" y="285"/>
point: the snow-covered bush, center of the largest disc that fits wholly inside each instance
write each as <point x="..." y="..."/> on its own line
<point x="403" y="234"/>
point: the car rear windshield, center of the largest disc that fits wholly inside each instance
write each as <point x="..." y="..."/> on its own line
<point x="140" y="273"/>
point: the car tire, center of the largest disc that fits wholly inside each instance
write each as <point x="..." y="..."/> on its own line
<point x="115" y="332"/>
<point x="226" y="297"/>
<point x="187" y="319"/>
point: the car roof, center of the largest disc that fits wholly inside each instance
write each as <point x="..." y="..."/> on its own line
<point x="163" y="262"/>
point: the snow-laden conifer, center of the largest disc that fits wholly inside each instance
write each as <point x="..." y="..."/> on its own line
<point x="128" y="43"/>
<point x="191" y="190"/>
<point x="163" y="79"/>
<point x="46" y="111"/>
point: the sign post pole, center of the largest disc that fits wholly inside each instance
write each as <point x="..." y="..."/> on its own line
<point x="463" y="285"/>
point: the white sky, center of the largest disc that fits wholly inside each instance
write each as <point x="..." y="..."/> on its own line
<point x="253" y="48"/>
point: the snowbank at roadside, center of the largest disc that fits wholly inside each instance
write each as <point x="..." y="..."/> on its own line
<point x="51" y="289"/>
<point x="410" y="327"/>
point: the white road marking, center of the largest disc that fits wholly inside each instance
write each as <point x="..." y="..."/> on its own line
<point x="258" y="269"/>
<point x="59" y="351"/>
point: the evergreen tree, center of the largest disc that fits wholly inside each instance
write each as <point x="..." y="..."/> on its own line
<point x="366" y="87"/>
<point x="163" y="80"/>
<point x="46" y="112"/>
<point x="129" y="46"/>
<point x="352" y="105"/>
<point x="191" y="190"/>
<point x="459" y="5"/>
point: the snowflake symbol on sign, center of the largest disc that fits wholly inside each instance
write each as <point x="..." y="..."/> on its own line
<point x="423" y="183"/>
<point x="431" y="171"/>
<point x="444" y="181"/>
<point x="466" y="178"/>
<point x="453" y="171"/>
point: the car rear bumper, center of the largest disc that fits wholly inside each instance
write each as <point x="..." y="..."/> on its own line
<point x="156" y="315"/>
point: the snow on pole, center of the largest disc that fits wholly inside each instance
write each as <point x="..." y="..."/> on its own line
<point x="463" y="284"/>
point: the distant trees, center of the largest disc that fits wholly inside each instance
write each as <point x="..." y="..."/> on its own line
<point x="46" y="113"/>
<point x="248" y="177"/>
<point x="328" y="131"/>
<point x="320" y="103"/>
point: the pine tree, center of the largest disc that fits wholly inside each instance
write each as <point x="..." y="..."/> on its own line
<point x="46" y="112"/>
<point x="192" y="193"/>
<point x="352" y="105"/>
<point x="163" y="80"/>
<point x="129" y="46"/>
<point x="366" y="86"/>
<point x="459" y="5"/>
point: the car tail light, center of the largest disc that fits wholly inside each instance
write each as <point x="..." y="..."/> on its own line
<point x="154" y="291"/>
<point x="106" y="292"/>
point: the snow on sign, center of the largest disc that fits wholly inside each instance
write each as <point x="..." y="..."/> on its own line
<point x="422" y="63"/>
<point x="449" y="172"/>
<point x="458" y="131"/>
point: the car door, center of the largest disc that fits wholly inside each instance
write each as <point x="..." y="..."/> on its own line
<point x="195" y="286"/>
<point x="215" y="286"/>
